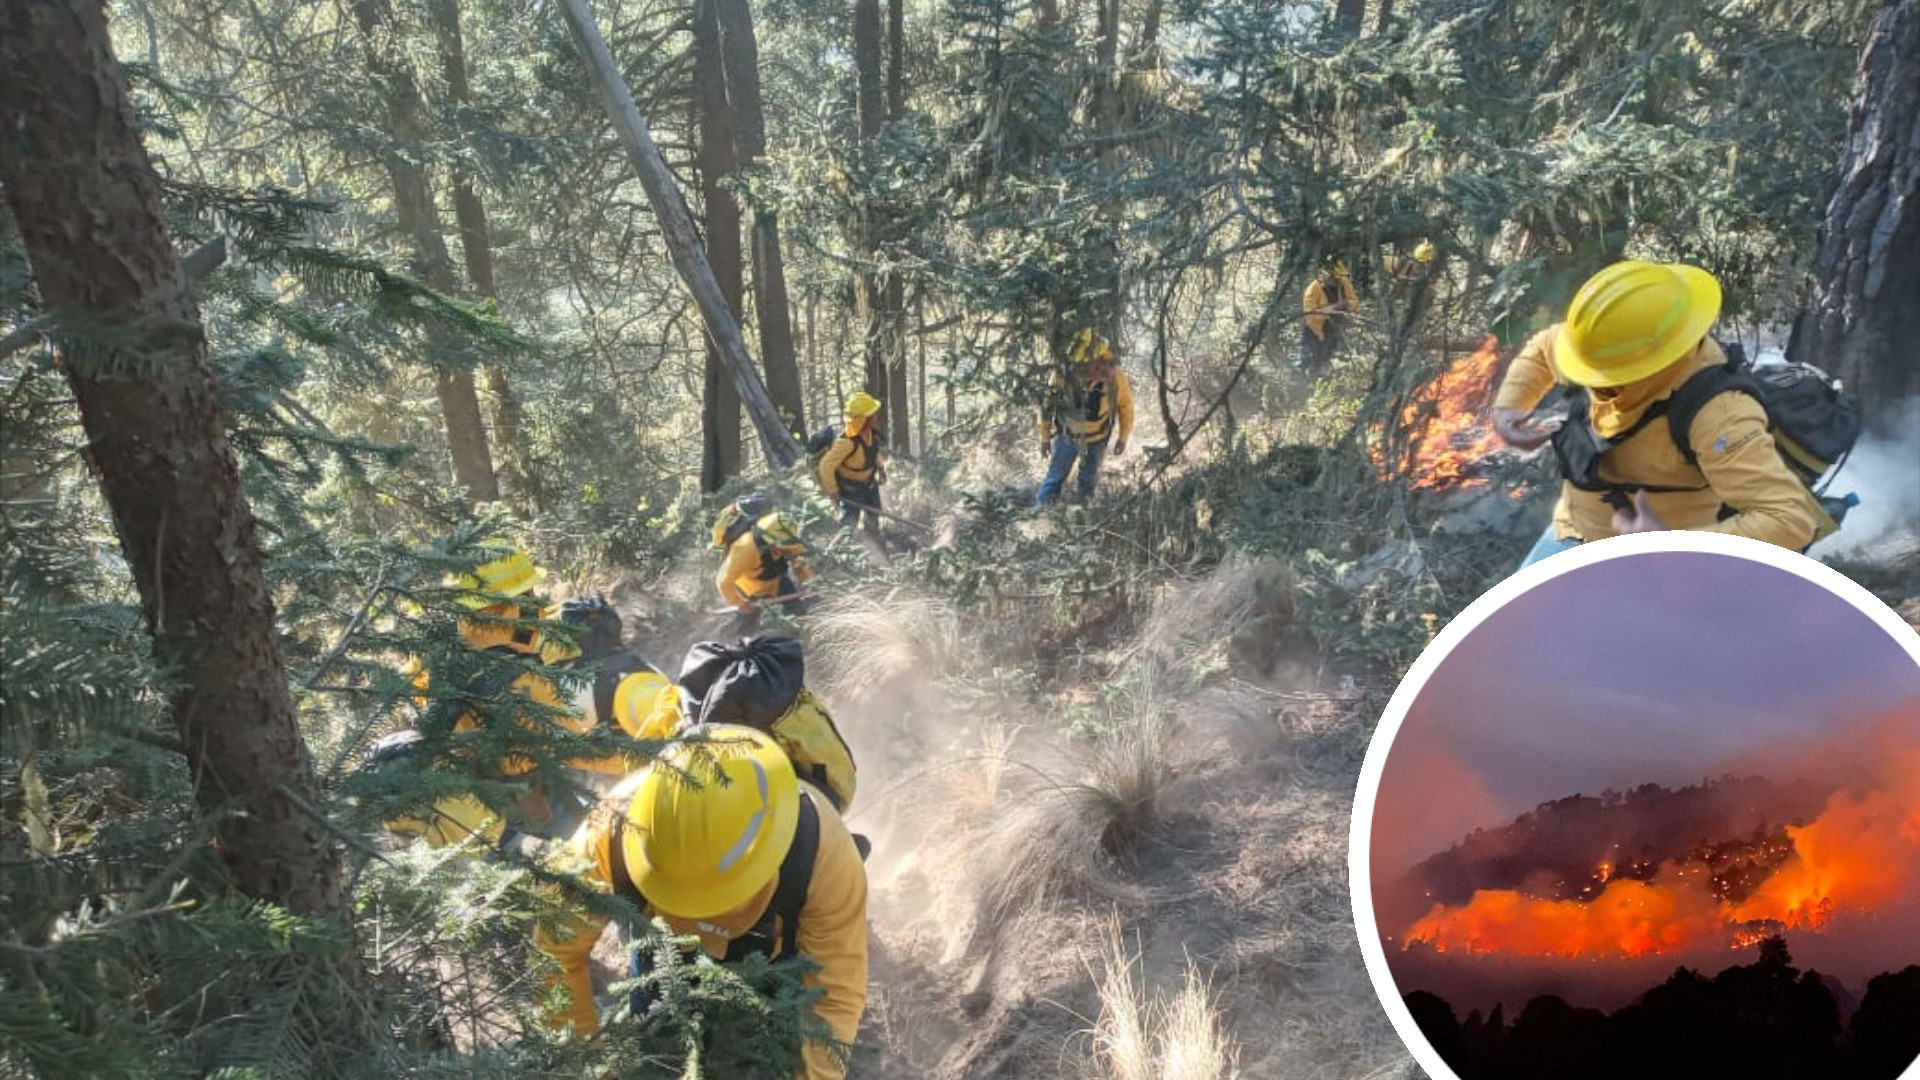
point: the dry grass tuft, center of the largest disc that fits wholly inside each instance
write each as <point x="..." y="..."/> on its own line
<point x="867" y="640"/>
<point x="1138" y="1039"/>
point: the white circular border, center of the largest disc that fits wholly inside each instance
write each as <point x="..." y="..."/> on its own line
<point x="1360" y="831"/>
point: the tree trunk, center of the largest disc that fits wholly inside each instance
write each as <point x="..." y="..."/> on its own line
<point x="713" y="122"/>
<point x="881" y="294"/>
<point x="87" y="204"/>
<point x="414" y="210"/>
<point x="741" y="55"/>
<point x="476" y="248"/>
<point x="1862" y="319"/>
<point x="1348" y="14"/>
<point x="677" y="229"/>
<point x="1383" y="17"/>
<point x="896" y="59"/>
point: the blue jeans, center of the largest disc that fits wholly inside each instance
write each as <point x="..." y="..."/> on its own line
<point x="1065" y="451"/>
<point x="1549" y="544"/>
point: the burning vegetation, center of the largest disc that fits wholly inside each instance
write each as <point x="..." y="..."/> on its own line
<point x="1729" y="884"/>
<point x="1443" y="437"/>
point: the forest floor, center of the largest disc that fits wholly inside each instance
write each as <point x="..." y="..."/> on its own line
<point x="1115" y="787"/>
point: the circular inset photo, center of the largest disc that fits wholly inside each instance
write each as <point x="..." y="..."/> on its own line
<point x="1651" y="808"/>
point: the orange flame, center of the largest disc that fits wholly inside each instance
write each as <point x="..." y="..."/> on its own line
<point x="1445" y="423"/>
<point x="1861" y="853"/>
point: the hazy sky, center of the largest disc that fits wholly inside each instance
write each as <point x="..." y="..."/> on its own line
<point x="1661" y="667"/>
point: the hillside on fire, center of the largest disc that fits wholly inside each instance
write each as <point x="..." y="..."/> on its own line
<point x="771" y="538"/>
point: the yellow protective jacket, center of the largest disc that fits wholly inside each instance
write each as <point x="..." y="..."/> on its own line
<point x="747" y="574"/>
<point x="1322" y="299"/>
<point x="806" y="731"/>
<point x="852" y="457"/>
<point x="1738" y="464"/>
<point x="482" y="635"/>
<point x="833" y="926"/>
<point x="1089" y="412"/>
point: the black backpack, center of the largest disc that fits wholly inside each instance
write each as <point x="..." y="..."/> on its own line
<point x="740" y="515"/>
<point x="753" y="682"/>
<point x="1813" y="420"/>
<point x="821" y="441"/>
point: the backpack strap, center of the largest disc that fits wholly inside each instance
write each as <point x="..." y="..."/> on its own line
<point x="772" y="564"/>
<point x="1701" y="387"/>
<point x="777" y="933"/>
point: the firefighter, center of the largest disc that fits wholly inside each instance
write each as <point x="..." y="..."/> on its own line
<point x="1634" y="333"/>
<point x="765" y="564"/>
<point x="1328" y="302"/>
<point x="850" y="470"/>
<point x="1087" y="414"/>
<point x="720" y="840"/>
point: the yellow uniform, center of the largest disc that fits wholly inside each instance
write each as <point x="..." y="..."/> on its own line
<point x="751" y="572"/>
<point x="1089" y="415"/>
<point x="1739" y="467"/>
<point x="832" y="925"/>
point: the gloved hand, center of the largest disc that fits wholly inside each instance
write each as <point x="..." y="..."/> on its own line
<point x="1523" y="430"/>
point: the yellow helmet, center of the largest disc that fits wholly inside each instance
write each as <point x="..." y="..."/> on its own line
<point x="711" y="822"/>
<point x="1086" y="346"/>
<point x="512" y="573"/>
<point x="862" y="405"/>
<point x="646" y="705"/>
<point x="1633" y="319"/>
<point x="780" y="531"/>
<point x="1423" y="251"/>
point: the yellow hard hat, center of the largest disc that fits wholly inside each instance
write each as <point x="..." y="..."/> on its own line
<point x="1085" y="345"/>
<point x="861" y="405"/>
<point x="1423" y="251"/>
<point x="1633" y="319"/>
<point x="513" y="573"/>
<point x="779" y="530"/>
<point x="643" y="706"/>
<point x="711" y="822"/>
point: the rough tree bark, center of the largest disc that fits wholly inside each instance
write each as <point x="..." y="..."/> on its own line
<point x="413" y="208"/>
<point x="714" y="129"/>
<point x="1347" y="15"/>
<point x="899" y="399"/>
<point x="87" y="204"/>
<point x="676" y="227"/>
<point x="476" y="248"/>
<point x="772" y="310"/>
<point x="1863" y="318"/>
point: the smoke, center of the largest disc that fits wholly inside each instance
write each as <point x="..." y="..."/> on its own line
<point x="1881" y="471"/>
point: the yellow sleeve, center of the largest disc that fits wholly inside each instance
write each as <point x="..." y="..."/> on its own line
<point x="1349" y="300"/>
<point x="1531" y="374"/>
<point x="743" y="558"/>
<point x="570" y="942"/>
<point x="841" y="449"/>
<point x="1742" y="465"/>
<point x="833" y="931"/>
<point x="1314" y="303"/>
<point x="1123" y="403"/>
